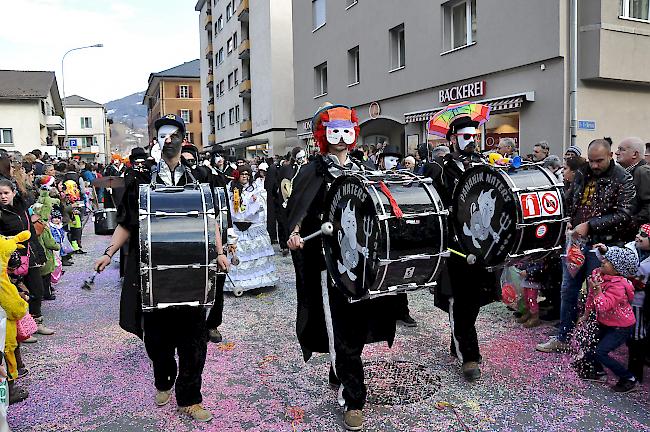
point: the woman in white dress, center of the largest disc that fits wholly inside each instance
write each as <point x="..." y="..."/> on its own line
<point x="248" y="209"/>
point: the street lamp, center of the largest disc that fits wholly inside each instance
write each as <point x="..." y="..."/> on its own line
<point x="65" y="117"/>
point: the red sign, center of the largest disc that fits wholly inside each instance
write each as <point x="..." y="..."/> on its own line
<point x="530" y="205"/>
<point x="550" y="203"/>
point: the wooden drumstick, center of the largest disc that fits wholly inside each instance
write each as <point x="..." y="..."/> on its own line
<point x="327" y="229"/>
<point x="471" y="258"/>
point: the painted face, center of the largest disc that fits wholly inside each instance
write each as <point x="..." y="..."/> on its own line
<point x="466" y="137"/>
<point x="337" y="133"/>
<point x="390" y="162"/>
<point x="301" y="156"/>
<point x="172" y="140"/>
<point x="642" y="241"/>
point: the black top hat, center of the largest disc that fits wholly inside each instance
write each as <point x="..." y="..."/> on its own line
<point x="459" y="123"/>
<point x="138" y="153"/>
<point x="391" y="150"/>
<point x="170" y="119"/>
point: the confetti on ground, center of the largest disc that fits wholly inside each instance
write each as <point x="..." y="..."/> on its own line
<point x="92" y="376"/>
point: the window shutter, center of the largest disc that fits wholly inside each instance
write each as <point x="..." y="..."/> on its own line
<point x="178" y="91"/>
<point x="189" y="90"/>
<point x="200" y="116"/>
<point x="190" y="116"/>
<point x="179" y="114"/>
<point x="82" y="122"/>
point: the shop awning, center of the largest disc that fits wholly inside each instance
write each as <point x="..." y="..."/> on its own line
<point x="504" y="104"/>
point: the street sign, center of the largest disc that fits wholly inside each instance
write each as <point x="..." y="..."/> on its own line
<point x="73" y="142"/>
<point x="587" y="125"/>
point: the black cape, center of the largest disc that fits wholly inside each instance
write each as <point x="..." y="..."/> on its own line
<point x="367" y="320"/>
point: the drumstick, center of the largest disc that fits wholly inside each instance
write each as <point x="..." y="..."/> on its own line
<point x="471" y="258"/>
<point x="327" y="229"/>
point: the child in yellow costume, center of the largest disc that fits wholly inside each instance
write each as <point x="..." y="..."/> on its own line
<point x="10" y="301"/>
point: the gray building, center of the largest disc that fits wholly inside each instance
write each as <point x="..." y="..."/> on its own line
<point x="247" y="75"/>
<point x="399" y="64"/>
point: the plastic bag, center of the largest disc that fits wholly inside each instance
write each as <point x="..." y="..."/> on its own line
<point x="66" y="246"/>
<point x="511" y="291"/>
<point x="574" y="257"/>
<point x="58" y="271"/>
<point x="25" y="327"/>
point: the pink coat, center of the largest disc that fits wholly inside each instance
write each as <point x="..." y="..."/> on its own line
<point x="612" y="305"/>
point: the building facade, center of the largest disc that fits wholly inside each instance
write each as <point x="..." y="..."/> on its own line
<point x="30" y="111"/>
<point x="247" y="75"/>
<point x="176" y="91"/>
<point x="88" y="129"/>
<point x="398" y="66"/>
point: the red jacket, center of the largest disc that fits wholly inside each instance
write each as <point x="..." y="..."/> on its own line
<point x="612" y="305"/>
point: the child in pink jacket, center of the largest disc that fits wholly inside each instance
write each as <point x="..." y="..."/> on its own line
<point x="610" y="295"/>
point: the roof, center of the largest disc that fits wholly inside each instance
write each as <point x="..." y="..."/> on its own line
<point x="76" y="100"/>
<point x="16" y="84"/>
<point x="190" y="69"/>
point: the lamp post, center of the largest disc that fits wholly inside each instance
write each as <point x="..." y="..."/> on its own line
<point x="65" y="117"/>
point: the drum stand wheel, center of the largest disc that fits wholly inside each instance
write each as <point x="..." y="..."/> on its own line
<point x="238" y="292"/>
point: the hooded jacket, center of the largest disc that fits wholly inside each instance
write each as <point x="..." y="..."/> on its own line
<point x="612" y="305"/>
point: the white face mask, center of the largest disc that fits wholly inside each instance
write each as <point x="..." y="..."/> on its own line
<point x="300" y="156"/>
<point x="462" y="142"/>
<point x="164" y="132"/>
<point x="334" y="135"/>
<point x="390" y="162"/>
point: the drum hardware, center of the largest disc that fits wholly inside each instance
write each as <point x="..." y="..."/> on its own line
<point x="534" y="251"/>
<point x="504" y="224"/>
<point x="471" y="258"/>
<point x="393" y="290"/>
<point x="166" y="305"/>
<point x="176" y="267"/>
<point x="537" y="188"/>
<point x="523" y="225"/>
<point x="414" y="215"/>
<point x="326" y="229"/>
<point x="415" y="257"/>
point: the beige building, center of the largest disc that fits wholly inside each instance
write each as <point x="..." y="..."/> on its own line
<point x="30" y="111"/>
<point x="247" y="75"/>
<point x="176" y="91"/>
<point x="88" y="129"/>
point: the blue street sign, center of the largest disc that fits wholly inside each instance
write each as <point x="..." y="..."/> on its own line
<point x="587" y="125"/>
<point x="73" y="142"/>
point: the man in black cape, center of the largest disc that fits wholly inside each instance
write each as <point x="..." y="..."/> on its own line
<point x="284" y="183"/>
<point x="326" y="322"/>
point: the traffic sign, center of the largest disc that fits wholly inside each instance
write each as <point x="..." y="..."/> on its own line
<point x="530" y="205"/>
<point x="550" y="203"/>
<point x="73" y="142"/>
<point x="587" y="125"/>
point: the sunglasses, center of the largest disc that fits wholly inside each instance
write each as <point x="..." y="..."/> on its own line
<point x="467" y="136"/>
<point x="643" y="234"/>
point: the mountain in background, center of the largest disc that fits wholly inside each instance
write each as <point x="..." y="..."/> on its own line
<point x="129" y="128"/>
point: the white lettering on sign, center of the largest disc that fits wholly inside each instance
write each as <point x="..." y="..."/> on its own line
<point x="465" y="91"/>
<point x="307" y="125"/>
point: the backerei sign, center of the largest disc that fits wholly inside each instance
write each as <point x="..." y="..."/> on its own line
<point x="465" y="91"/>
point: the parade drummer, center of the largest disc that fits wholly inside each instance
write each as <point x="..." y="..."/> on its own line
<point x="326" y="322"/>
<point x="462" y="288"/>
<point x="165" y="331"/>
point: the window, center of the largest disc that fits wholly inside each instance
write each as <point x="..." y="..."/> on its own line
<point x="234" y="40"/>
<point x="222" y="120"/>
<point x="219" y="24"/>
<point x="637" y="9"/>
<point x="397" y="47"/>
<point x="320" y="79"/>
<point x="183" y="91"/>
<point x="230" y="81"/>
<point x="236" y="73"/>
<point x="459" y="24"/>
<point x="237" y="114"/>
<point x="220" y="56"/>
<point x="231" y="115"/>
<point x="230" y="46"/>
<point x="350" y="3"/>
<point x="86" y="122"/>
<point x="6" y="136"/>
<point x="186" y="115"/>
<point x="353" y="66"/>
<point x="229" y="11"/>
<point x="222" y="85"/>
<point x="188" y="136"/>
<point x="87" y="141"/>
<point x="318" y="13"/>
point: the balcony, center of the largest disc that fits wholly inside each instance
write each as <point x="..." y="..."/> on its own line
<point x="245" y="88"/>
<point x="208" y="51"/>
<point x="211" y="109"/>
<point x="210" y="79"/>
<point x="208" y="20"/>
<point x="245" y="49"/>
<point x="212" y="139"/>
<point x="242" y="11"/>
<point x="54" y="122"/>
<point x="246" y="128"/>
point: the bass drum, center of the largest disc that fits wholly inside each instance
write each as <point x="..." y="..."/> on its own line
<point x="221" y="213"/>
<point x="178" y="255"/>
<point x="375" y="250"/>
<point x="506" y="216"/>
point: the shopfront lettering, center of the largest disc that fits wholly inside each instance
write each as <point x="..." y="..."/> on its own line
<point x="465" y="91"/>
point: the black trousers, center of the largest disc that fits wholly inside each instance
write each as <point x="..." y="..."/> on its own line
<point x="283" y="229"/>
<point x="463" y="311"/>
<point x="34" y="283"/>
<point x="636" y="356"/>
<point x="47" y="285"/>
<point x="215" y="316"/>
<point x="182" y="330"/>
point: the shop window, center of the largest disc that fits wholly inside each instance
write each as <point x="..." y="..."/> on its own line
<point x="318" y="13"/>
<point x="459" y="27"/>
<point x="501" y="126"/>
<point x="353" y="66"/>
<point x="397" y="47"/>
<point x="636" y="9"/>
<point x="320" y="80"/>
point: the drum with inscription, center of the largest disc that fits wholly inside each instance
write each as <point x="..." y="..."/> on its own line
<point x="390" y="233"/>
<point x="503" y="215"/>
<point x="178" y="255"/>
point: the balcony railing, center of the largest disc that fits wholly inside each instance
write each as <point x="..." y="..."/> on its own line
<point x="208" y="51"/>
<point x="212" y="139"/>
<point x="210" y="79"/>
<point x="208" y="20"/>
<point x="245" y="49"/>
<point x="246" y="128"/>
<point x="210" y="109"/>
<point x="245" y="88"/>
<point x="242" y="11"/>
<point x="54" y="122"/>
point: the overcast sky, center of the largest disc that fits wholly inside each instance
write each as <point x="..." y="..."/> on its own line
<point x="139" y="37"/>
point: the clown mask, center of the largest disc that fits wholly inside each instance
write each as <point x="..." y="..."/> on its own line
<point x="338" y="130"/>
<point x="466" y="139"/>
<point x="390" y="162"/>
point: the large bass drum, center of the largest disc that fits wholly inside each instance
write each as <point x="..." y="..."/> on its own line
<point x="178" y="256"/>
<point x="390" y="234"/>
<point x="221" y="212"/>
<point x="504" y="216"/>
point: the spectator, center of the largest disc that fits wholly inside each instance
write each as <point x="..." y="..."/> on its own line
<point x="38" y="163"/>
<point x="572" y="152"/>
<point x="630" y="155"/>
<point x="48" y="169"/>
<point x="647" y="152"/>
<point x="506" y="147"/>
<point x="554" y="164"/>
<point x="571" y="165"/>
<point x="409" y="163"/>
<point x="600" y="206"/>
<point x="540" y="151"/>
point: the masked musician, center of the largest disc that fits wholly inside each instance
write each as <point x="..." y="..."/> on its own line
<point x="180" y="329"/>
<point x="326" y="321"/>
<point x="462" y="288"/>
<point x="286" y="174"/>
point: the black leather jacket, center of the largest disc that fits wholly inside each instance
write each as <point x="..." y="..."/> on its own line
<point x="613" y="202"/>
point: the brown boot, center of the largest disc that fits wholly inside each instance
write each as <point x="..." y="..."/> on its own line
<point x="533" y="321"/>
<point x="525" y="317"/>
<point x="353" y="420"/>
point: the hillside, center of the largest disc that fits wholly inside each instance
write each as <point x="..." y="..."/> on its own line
<point x="129" y="126"/>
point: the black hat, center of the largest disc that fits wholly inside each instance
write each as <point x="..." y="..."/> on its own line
<point x="391" y="150"/>
<point x="138" y="153"/>
<point x="191" y="148"/>
<point x="459" y="123"/>
<point x="170" y="119"/>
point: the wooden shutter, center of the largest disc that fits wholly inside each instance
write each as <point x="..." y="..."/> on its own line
<point x="190" y="116"/>
<point x="178" y="91"/>
<point x="200" y="116"/>
<point x="189" y="91"/>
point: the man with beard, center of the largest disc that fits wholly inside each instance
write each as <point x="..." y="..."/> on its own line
<point x="326" y="321"/>
<point x="174" y="329"/>
<point x="462" y="289"/>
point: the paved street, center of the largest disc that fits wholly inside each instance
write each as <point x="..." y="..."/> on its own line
<point x="92" y="376"/>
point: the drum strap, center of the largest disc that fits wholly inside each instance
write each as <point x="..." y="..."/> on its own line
<point x="393" y="204"/>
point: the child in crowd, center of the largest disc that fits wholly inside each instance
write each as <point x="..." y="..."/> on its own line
<point x="610" y="294"/>
<point x="531" y="283"/>
<point x="58" y="233"/>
